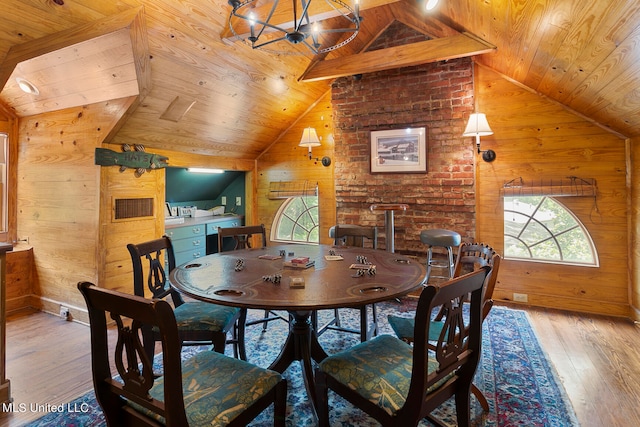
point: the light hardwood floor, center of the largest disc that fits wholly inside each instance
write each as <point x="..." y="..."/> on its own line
<point x="597" y="359"/>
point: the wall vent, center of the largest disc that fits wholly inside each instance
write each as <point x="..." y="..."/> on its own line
<point x="133" y="208"/>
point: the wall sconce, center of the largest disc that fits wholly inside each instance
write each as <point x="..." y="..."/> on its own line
<point x="478" y="126"/>
<point x="310" y="139"/>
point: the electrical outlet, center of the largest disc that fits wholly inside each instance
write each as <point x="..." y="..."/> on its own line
<point x="223" y="200"/>
<point x="238" y="201"/>
<point x="520" y="297"/>
<point x="64" y="312"/>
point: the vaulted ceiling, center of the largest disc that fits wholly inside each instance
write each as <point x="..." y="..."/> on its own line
<point x="202" y="91"/>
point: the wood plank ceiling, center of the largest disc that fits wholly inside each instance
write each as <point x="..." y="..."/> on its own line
<point x="212" y="95"/>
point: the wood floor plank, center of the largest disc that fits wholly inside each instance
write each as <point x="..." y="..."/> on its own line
<point x="598" y="362"/>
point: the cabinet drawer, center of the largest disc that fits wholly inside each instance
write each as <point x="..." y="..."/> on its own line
<point x="186" y="232"/>
<point x="186" y="256"/>
<point x="212" y="227"/>
<point x="190" y="244"/>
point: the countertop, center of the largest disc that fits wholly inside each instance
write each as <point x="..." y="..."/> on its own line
<point x="203" y="220"/>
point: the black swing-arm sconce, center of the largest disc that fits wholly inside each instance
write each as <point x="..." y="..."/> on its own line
<point x="478" y="126"/>
<point x="310" y="139"/>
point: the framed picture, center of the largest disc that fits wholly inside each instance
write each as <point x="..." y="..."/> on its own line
<point x="399" y="150"/>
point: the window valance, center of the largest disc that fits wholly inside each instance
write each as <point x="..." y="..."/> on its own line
<point x="288" y="189"/>
<point x="569" y="186"/>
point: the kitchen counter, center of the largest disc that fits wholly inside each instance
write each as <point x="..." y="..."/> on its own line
<point x="204" y="220"/>
<point x="196" y="237"/>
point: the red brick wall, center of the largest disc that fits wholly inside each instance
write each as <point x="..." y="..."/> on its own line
<point x="438" y="96"/>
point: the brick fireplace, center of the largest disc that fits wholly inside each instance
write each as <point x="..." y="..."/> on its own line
<point x="438" y="96"/>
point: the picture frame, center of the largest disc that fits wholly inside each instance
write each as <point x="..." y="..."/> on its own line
<point x="401" y="150"/>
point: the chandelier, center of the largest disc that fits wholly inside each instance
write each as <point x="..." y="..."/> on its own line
<point x="270" y="25"/>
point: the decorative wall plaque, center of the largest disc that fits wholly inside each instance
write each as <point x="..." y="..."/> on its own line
<point x="137" y="159"/>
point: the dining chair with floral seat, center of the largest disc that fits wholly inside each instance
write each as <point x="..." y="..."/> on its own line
<point x="241" y="237"/>
<point x="354" y="236"/>
<point x="199" y="323"/>
<point x="398" y="384"/>
<point x="470" y="256"/>
<point x="207" y="388"/>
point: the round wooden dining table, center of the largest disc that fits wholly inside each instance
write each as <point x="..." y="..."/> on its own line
<point x="261" y="279"/>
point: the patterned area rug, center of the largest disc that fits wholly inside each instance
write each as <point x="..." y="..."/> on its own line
<point x="520" y="384"/>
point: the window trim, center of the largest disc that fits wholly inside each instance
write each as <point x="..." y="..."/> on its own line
<point x="551" y="236"/>
<point x="281" y="212"/>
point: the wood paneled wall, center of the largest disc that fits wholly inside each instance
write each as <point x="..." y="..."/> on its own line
<point x="535" y="139"/>
<point x="64" y="199"/>
<point x="634" y="227"/>
<point x="285" y="161"/>
<point x="58" y="198"/>
<point x="116" y="234"/>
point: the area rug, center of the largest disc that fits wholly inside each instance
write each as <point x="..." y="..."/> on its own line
<point x="517" y="379"/>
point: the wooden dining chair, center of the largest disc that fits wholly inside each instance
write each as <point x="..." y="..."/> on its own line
<point x="356" y="236"/>
<point x="207" y="389"/>
<point x="399" y="384"/>
<point x="471" y="256"/>
<point x="242" y="237"/>
<point x="199" y="322"/>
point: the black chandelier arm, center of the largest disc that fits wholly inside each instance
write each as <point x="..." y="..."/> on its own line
<point x="304" y="30"/>
<point x="266" y="24"/>
<point x="263" y="24"/>
<point x="311" y="47"/>
<point x="303" y="16"/>
<point x="256" y="46"/>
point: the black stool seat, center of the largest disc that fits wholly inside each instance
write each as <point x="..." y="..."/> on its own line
<point x="439" y="237"/>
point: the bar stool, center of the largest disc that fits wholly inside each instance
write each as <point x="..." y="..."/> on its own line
<point x="441" y="238"/>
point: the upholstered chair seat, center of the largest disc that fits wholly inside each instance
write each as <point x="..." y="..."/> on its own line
<point x="205" y="389"/>
<point x="399" y="384"/>
<point x="204" y="316"/>
<point x="231" y="386"/>
<point x="383" y="367"/>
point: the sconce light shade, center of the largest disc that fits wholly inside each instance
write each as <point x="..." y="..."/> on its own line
<point x="309" y="138"/>
<point x="479" y="126"/>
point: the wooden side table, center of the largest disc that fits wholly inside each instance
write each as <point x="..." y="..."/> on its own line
<point x="388" y="209"/>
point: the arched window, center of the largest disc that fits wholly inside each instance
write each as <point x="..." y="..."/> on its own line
<point x="297" y="221"/>
<point x="539" y="228"/>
